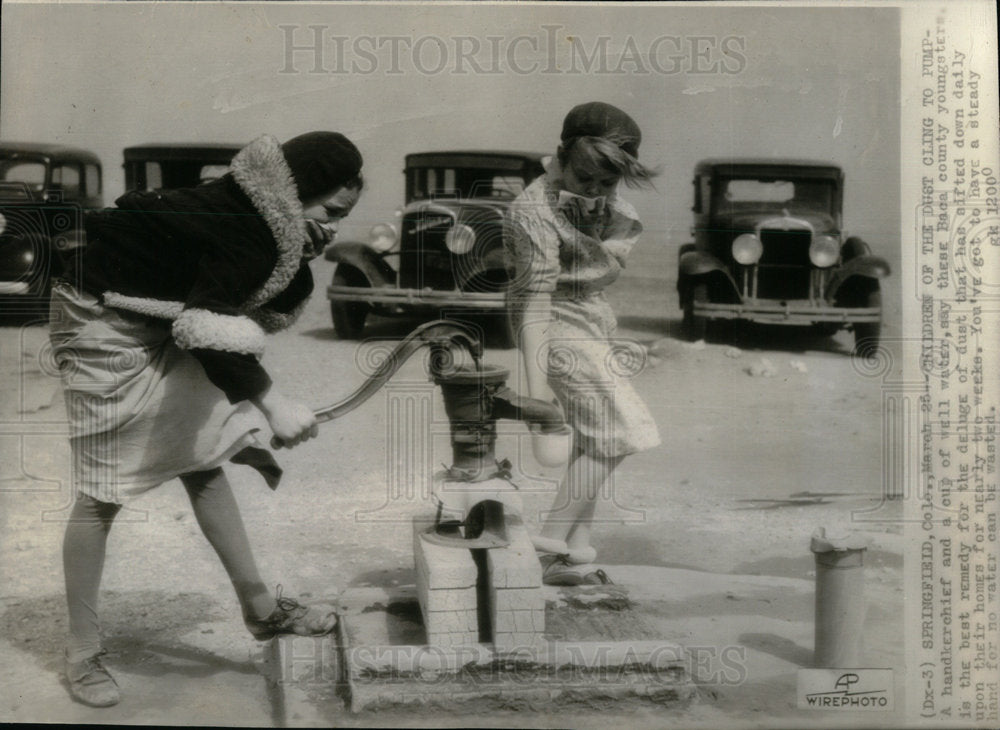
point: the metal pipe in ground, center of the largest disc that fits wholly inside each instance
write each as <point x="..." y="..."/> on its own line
<point x="840" y="599"/>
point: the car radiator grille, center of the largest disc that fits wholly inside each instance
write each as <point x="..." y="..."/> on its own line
<point x="785" y="248"/>
<point x="784" y="268"/>
<point x="424" y="259"/>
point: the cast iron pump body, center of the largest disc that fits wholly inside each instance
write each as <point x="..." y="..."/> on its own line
<point x="475" y="397"/>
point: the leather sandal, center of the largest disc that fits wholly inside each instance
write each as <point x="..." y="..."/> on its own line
<point x="292" y="617"/>
<point x="91" y="683"/>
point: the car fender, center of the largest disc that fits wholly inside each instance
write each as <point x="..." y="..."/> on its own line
<point x="853" y="248"/>
<point x="492" y="262"/>
<point x="699" y="265"/>
<point x="863" y="266"/>
<point x="364" y="259"/>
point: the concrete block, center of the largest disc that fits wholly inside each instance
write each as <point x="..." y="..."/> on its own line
<point x="439" y="639"/>
<point x="514" y="599"/>
<point x="452" y="639"/>
<point x="520" y="610"/>
<point x="528" y="640"/>
<point x="517" y="604"/>
<point x="452" y="600"/>
<point x="446" y="589"/>
<point x="515" y="566"/>
<point x="538" y="619"/>
<point x="522" y="621"/>
<point x="464" y="624"/>
<point x="503" y="641"/>
<point x="503" y="621"/>
<point x="444" y="567"/>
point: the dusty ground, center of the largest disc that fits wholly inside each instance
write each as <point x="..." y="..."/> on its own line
<point x="749" y="467"/>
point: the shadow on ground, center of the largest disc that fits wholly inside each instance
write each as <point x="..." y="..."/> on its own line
<point x="137" y="628"/>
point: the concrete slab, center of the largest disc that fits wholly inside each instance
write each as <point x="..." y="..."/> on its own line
<point x="385" y="661"/>
<point x="558" y="673"/>
<point x="740" y="638"/>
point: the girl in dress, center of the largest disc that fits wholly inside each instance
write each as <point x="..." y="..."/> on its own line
<point x="567" y="237"/>
<point x="158" y="329"/>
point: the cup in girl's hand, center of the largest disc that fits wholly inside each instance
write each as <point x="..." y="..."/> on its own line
<point x="551" y="447"/>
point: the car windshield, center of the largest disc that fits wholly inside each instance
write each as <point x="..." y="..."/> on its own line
<point x="451" y="182"/>
<point x="734" y="195"/>
<point x="29" y="172"/>
<point x="169" y="174"/>
<point x="212" y="172"/>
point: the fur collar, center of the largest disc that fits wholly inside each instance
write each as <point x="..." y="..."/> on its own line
<point x="263" y="174"/>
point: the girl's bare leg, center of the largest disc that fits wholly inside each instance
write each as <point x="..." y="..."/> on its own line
<point x="83" y="563"/>
<point x="218" y="515"/>
<point x="572" y="513"/>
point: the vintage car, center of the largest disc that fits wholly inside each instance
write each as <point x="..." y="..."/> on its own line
<point x="163" y="166"/>
<point x="446" y="258"/>
<point x="769" y="247"/>
<point x="44" y="191"/>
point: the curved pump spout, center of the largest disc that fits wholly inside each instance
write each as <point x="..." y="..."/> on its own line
<point x="439" y="334"/>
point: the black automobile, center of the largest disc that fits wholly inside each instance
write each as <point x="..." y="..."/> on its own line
<point x="44" y="191"/>
<point x="164" y="166"/>
<point x="769" y="247"/>
<point x="444" y="256"/>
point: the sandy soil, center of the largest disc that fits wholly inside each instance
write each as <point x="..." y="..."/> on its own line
<point x="750" y="465"/>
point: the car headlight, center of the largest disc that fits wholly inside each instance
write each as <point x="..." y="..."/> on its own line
<point x="382" y="237"/>
<point x="460" y="239"/>
<point x="3" y="223"/>
<point x="824" y="251"/>
<point x="747" y="249"/>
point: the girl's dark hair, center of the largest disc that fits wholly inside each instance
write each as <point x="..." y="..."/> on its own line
<point x="606" y="155"/>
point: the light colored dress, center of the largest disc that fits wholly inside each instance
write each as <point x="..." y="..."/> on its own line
<point x="141" y="410"/>
<point x="589" y="371"/>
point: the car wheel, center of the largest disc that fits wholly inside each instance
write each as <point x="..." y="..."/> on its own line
<point x="348" y="317"/>
<point x="695" y="326"/>
<point x="867" y="334"/>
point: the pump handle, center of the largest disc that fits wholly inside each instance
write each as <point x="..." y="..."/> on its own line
<point x="439" y="332"/>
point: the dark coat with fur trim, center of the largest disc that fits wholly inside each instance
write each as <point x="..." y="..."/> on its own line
<point x="222" y="263"/>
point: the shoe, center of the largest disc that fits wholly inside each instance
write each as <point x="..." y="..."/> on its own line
<point x="557" y="570"/>
<point x="291" y="617"/>
<point x="597" y="578"/>
<point x="91" y="683"/>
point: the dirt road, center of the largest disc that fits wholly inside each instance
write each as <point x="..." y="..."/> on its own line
<point x="755" y="456"/>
